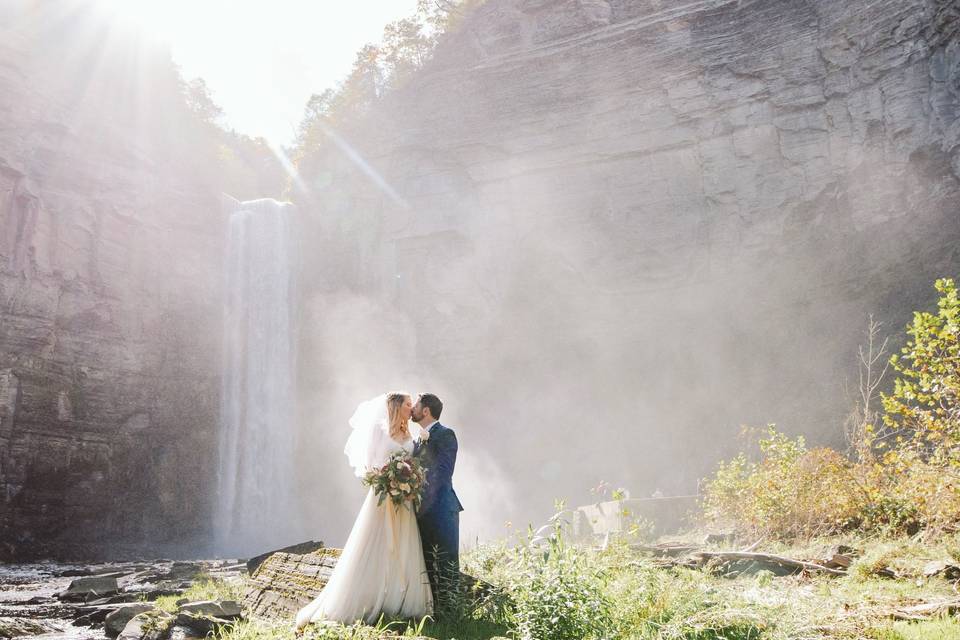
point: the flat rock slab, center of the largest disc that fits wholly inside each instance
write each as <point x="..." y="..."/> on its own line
<point x="15" y="627"/>
<point x="285" y="582"/>
<point x="300" y="548"/>
<point x="90" y="588"/>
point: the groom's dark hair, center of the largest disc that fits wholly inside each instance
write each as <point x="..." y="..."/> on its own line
<point x="431" y="402"/>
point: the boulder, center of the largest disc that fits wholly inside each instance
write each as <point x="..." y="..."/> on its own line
<point x="150" y="625"/>
<point x="117" y="620"/>
<point x="89" y="588"/>
<point x="215" y="608"/>
<point x="182" y="632"/>
<point x="15" y="627"/>
<point x="93" y="614"/>
<point x="201" y="624"/>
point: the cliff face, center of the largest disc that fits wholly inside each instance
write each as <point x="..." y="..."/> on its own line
<point x="640" y="224"/>
<point x="605" y="232"/>
<point x="110" y="245"/>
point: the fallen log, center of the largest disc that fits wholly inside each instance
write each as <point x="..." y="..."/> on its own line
<point x="752" y="561"/>
<point x="666" y="550"/>
<point x="927" y="610"/>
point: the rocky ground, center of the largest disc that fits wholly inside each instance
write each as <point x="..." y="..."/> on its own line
<point x="95" y="601"/>
<point x="161" y="599"/>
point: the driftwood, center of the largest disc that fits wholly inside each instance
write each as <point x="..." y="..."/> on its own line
<point x="840" y="557"/>
<point x="927" y="610"/>
<point x="666" y="550"/>
<point x="746" y="561"/>
<point x="941" y="569"/>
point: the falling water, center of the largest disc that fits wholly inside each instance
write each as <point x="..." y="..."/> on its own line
<point x="255" y="509"/>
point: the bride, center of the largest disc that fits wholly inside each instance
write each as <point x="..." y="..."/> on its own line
<point x="381" y="568"/>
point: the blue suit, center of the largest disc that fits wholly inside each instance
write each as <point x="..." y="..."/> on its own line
<point x="439" y="513"/>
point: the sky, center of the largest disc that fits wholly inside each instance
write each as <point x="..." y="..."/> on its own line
<point x="262" y="59"/>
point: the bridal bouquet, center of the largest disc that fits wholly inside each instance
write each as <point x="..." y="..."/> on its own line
<point x="401" y="479"/>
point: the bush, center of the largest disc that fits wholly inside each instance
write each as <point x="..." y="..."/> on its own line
<point x="792" y="491"/>
<point x="556" y="595"/>
<point x="907" y="475"/>
<point x="923" y="405"/>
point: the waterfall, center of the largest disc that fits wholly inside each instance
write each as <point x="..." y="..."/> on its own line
<point x="256" y="509"/>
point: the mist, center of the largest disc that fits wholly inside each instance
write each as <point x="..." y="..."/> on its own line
<point x="607" y="236"/>
<point x="607" y="260"/>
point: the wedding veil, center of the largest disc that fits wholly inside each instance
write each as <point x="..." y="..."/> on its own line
<point x="367" y="445"/>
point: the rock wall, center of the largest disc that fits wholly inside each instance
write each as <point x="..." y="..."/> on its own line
<point x="110" y="250"/>
<point x="610" y="232"/>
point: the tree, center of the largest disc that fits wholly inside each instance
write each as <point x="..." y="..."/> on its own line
<point x="924" y="403"/>
<point x="406" y="46"/>
<point x="200" y="101"/>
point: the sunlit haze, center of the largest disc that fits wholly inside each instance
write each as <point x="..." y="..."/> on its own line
<point x="261" y="60"/>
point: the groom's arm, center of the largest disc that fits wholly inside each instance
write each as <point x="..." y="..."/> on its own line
<point x="447" y="459"/>
<point x="443" y="464"/>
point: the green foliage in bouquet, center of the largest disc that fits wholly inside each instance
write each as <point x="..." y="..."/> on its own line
<point x="401" y="480"/>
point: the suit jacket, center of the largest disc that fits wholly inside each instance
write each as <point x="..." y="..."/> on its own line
<point x="439" y="456"/>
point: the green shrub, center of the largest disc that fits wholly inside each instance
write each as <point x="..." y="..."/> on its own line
<point x="907" y="475"/>
<point x="792" y="491"/>
<point x="924" y="403"/>
<point x="555" y="591"/>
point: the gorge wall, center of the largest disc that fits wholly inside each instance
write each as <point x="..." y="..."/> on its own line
<point x="609" y="233"/>
<point x="110" y="276"/>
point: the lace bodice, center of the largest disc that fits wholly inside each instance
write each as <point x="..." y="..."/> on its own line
<point x="387" y="447"/>
<point x="406" y="445"/>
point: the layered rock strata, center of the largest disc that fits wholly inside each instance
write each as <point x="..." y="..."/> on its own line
<point x="613" y="231"/>
<point x="110" y="245"/>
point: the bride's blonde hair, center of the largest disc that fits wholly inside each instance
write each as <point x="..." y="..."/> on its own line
<point x="398" y="426"/>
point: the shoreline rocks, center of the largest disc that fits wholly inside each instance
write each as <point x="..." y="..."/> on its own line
<point x="50" y="598"/>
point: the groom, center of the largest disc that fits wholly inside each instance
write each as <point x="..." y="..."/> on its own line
<point x="439" y="513"/>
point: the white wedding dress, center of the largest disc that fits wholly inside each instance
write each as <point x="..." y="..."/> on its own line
<point x="381" y="569"/>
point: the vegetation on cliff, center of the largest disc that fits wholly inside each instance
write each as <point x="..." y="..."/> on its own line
<point x="407" y="45"/>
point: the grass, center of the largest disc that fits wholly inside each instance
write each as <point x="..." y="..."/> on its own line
<point x="650" y="602"/>
<point x="941" y="629"/>
<point x="203" y="588"/>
